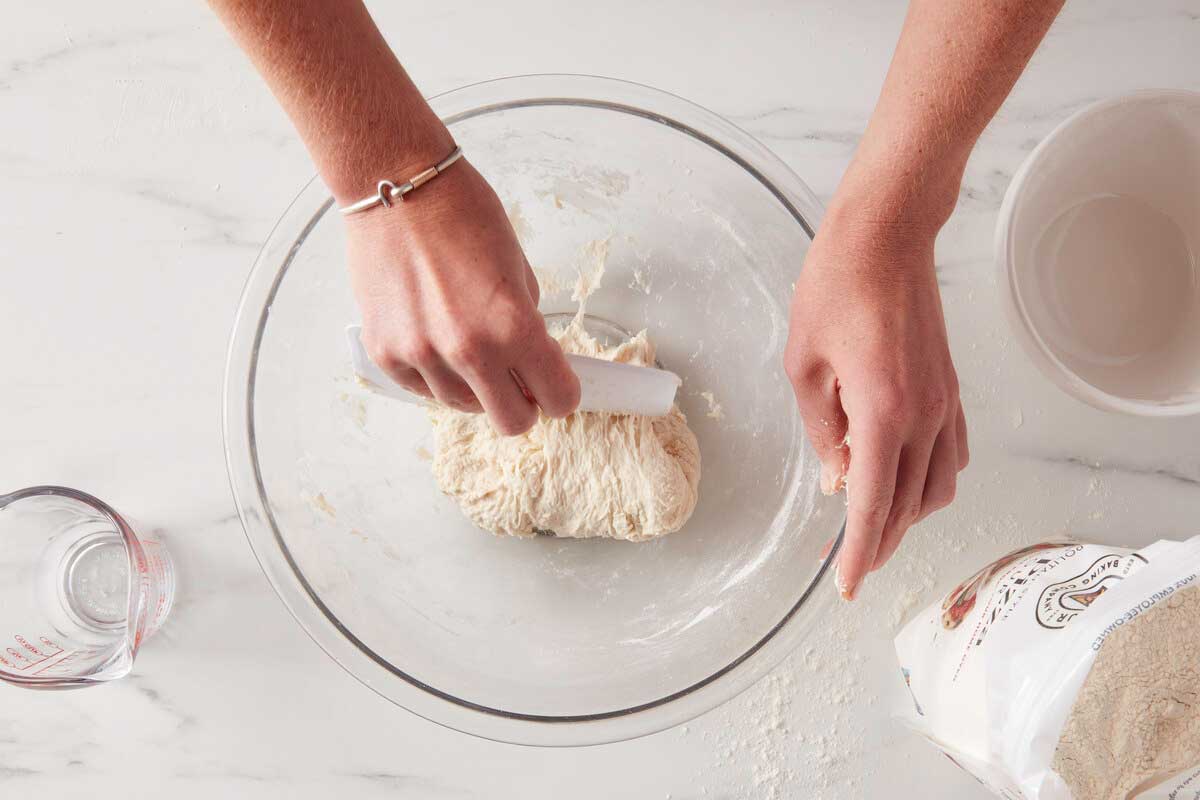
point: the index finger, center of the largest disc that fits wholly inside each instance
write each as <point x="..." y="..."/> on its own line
<point x="871" y="485"/>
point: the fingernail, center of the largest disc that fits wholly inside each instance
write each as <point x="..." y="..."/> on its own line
<point x="847" y="592"/>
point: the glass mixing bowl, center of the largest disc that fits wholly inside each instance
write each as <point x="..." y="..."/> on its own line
<point x="549" y="641"/>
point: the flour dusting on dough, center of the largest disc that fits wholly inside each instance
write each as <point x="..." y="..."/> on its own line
<point x="620" y="476"/>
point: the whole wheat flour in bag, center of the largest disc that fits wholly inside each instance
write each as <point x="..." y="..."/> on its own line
<point x="1136" y="720"/>
<point x="1066" y="671"/>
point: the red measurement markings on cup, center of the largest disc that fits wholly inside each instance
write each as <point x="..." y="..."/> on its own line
<point x="34" y="659"/>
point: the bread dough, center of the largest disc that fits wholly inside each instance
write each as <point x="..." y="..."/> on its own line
<point x="619" y="476"/>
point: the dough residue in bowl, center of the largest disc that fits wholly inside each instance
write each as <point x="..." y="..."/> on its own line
<point x="620" y="476"/>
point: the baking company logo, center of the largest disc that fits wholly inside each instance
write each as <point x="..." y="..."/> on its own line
<point x="1061" y="602"/>
<point x="960" y="602"/>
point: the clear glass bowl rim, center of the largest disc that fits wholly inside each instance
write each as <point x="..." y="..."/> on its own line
<point x="267" y="543"/>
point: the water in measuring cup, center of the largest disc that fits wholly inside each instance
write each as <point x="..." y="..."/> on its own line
<point x="95" y="581"/>
<point x="84" y="583"/>
<point x="75" y="600"/>
<point x="1120" y="284"/>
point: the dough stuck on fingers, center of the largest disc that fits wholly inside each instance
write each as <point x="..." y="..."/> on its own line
<point x="618" y="476"/>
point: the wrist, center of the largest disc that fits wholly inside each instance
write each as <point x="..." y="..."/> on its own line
<point x="439" y="205"/>
<point x="870" y="218"/>
<point x="396" y="159"/>
<point x="893" y="185"/>
<point x="873" y="240"/>
<point x="887" y="199"/>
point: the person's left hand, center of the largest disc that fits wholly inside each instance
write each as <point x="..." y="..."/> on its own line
<point x="868" y="358"/>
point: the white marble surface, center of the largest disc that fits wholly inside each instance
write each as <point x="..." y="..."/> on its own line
<point x="142" y="163"/>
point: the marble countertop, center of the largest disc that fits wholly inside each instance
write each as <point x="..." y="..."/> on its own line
<point x="142" y="163"/>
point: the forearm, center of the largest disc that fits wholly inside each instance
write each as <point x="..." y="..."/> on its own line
<point x="955" y="63"/>
<point x="359" y="114"/>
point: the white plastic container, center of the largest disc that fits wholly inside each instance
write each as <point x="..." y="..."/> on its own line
<point x="1098" y="246"/>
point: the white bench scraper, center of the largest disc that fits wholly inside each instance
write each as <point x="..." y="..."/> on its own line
<point x="604" y="385"/>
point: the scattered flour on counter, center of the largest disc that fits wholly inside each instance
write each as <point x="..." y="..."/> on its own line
<point x="911" y="576"/>
<point x="905" y="602"/>
<point x="793" y="734"/>
<point x="815" y="729"/>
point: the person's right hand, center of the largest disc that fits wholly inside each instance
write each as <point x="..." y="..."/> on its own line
<point x="449" y="303"/>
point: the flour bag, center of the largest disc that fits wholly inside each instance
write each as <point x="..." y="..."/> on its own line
<point x="1066" y="671"/>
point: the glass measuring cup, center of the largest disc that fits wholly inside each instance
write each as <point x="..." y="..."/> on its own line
<point x="79" y="590"/>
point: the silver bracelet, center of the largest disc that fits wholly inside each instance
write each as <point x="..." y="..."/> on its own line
<point x="387" y="191"/>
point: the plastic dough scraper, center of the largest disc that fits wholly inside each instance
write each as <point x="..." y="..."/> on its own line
<point x="604" y="385"/>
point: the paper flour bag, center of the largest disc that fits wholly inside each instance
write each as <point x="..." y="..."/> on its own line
<point x="1066" y="671"/>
